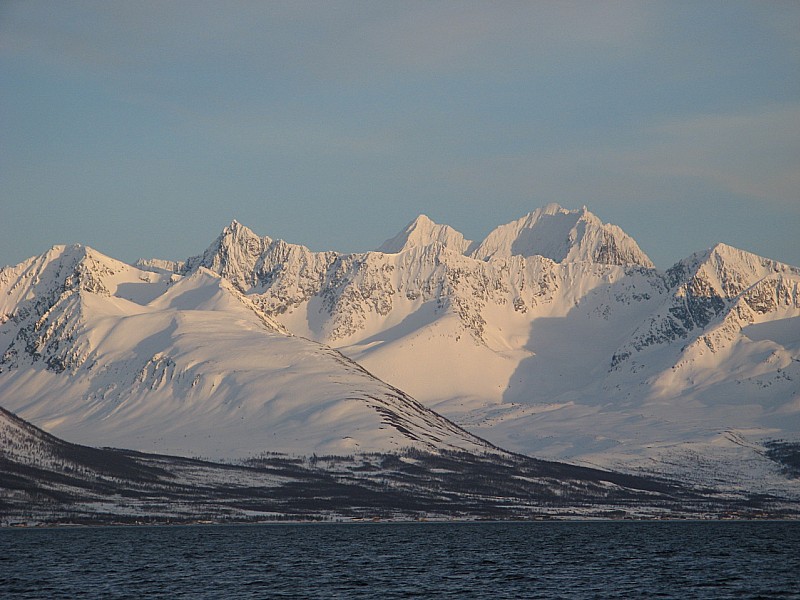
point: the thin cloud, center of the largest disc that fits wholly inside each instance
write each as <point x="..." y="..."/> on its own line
<point x="755" y="154"/>
<point x="326" y="39"/>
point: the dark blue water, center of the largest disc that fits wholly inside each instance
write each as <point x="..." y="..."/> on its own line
<point x="464" y="560"/>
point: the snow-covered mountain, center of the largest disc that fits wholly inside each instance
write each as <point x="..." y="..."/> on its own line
<point x="424" y="232"/>
<point x="554" y="336"/>
<point x="102" y="353"/>
<point x="563" y="236"/>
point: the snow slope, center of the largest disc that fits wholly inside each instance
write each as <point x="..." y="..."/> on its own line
<point x="45" y="480"/>
<point x="101" y="353"/>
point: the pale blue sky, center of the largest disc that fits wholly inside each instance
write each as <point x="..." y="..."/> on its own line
<point x="143" y="128"/>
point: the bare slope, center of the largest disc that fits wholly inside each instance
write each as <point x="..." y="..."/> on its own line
<point x="46" y="480"/>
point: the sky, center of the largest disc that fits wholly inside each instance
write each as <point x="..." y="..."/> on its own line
<point x="143" y="128"/>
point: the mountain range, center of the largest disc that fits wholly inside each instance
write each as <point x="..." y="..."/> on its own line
<point x="553" y="337"/>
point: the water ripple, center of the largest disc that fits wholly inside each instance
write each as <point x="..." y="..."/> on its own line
<point x="488" y="560"/>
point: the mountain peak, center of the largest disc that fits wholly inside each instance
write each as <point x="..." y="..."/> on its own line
<point x="421" y="232"/>
<point x="728" y="266"/>
<point x="563" y="235"/>
<point x="233" y="254"/>
<point x="236" y="228"/>
<point x="721" y="253"/>
<point x="423" y="220"/>
<point x="552" y="209"/>
<point x="723" y="249"/>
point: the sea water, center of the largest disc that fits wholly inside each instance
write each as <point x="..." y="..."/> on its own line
<point x="411" y="560"/>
